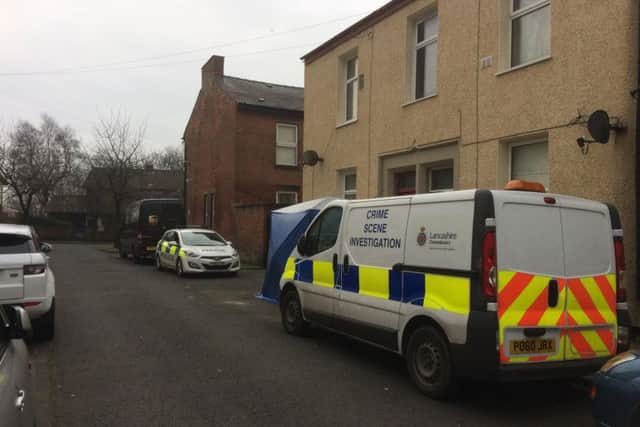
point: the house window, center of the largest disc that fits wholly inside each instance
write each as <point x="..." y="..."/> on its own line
<point x="440" y="179"/>
<point x="351" y="89"/>
<point x="286" y="144"/>
<point x="286" y="198"/>
<point x="529" y="162"/>
<point x="349" y="186"/>
<point x="530" y="30"/>
<point x="426" y="57"/>
<point x="405" y="183"/>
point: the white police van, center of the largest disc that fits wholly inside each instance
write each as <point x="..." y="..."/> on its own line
<point x="472" y="284"/>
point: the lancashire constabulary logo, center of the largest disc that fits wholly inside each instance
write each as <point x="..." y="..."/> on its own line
<point x="422" y="237"/>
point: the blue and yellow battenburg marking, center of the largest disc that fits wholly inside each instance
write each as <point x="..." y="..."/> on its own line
<point x="170" y="249"/>
<point x="438" y="292"/>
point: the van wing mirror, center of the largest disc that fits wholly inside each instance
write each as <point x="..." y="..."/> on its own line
<point x="45" y="247"/>
<point x="302" y="245"/>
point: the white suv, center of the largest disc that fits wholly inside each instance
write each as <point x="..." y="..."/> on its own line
<point x="25" y="276"/>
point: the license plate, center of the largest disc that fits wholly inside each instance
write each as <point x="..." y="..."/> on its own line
<point x="536" y="346"/>
<point x="151" y="248"/>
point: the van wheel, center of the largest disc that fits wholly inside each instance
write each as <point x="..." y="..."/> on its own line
<point x="429" y="363"/>
<point x="44" y="327"/>
<point x="179" y="269"/>
<point x="291" y="314"/>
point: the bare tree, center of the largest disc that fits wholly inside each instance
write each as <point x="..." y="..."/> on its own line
<point x="35" y="161"/>
<point x="119" y="153"/>
<point x="169" y="158"/>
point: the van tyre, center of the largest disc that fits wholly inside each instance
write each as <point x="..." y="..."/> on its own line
<point x="44" y="327"/>
<point x="429" y="363"/>
<point x="291" y="314"/>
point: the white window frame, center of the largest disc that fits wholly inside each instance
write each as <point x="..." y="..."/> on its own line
<point x="520" y="144"/>
<point x="513" y="15"/>
<point x="286" y="145"/>
<point x="431" y="190"/>
<point x="346" y="192"/>
<point x="278" y="193"/>
<point x="348" y="81"/>
<point x="419" y="45"/>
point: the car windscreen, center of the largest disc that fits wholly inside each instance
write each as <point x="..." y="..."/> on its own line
<point x="202" y="238"/>
<point x="15" y="244"/>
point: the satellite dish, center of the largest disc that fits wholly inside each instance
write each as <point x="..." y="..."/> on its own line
<point x="310" y="158"/>
<point x="599" y="127"/>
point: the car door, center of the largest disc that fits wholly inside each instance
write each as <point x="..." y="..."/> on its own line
<point x="15" y="380"/>
<point x="160" y="249"/>
<point x="369" y="291"/>
<point x="317" y="269"/>
<point x="171" y="253"/>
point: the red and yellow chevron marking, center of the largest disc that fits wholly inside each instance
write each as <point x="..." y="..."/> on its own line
<point x="590" y="305"/>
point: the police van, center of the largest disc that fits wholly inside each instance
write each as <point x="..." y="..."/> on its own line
<point x="477" y="284"/>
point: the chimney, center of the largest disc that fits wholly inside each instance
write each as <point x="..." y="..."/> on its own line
<point x="212" y="70"/>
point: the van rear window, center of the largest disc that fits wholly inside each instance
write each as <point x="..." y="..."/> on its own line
<point x="588" y="244"/>
<point x="15" y="244"/>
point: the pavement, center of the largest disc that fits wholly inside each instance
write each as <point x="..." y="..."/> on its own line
<point x="137" y="347"/>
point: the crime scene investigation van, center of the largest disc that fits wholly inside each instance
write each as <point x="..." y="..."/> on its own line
<point x="475" y="284"/>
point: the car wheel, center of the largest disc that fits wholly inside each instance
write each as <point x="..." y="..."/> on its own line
<point x="179" y="269"/>
<point x="291" y="314"/>
<point x="159" y="265"/>
<point x="429" y="363"/>
<point x="123" y="254"/>
<point x="44" y="327"/>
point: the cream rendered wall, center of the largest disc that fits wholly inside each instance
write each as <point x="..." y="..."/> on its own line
<point x="592" y="66"/>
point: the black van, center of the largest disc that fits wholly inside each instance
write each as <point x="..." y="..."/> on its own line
<point x="144" y="223"/>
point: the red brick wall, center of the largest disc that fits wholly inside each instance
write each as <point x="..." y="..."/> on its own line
<point x="252" y="232"/>
<point x="259" y="178"/>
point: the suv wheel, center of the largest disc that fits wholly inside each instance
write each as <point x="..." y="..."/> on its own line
<point x="159" y="265"/>
<point x="44" y="327"/>
<point x="291" y="314"/>
<point x="429" y="363"/>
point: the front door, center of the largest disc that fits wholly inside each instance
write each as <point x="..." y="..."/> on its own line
<point x="316" y="270"/>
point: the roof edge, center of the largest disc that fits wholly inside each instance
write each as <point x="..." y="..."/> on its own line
<point x="364" y="23"/>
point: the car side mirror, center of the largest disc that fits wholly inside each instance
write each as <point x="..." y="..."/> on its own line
<point x="21" y="327"/>
<point x="46" y="248"/>
<point x="302" y="245"/>
<point x="173" y="242"/>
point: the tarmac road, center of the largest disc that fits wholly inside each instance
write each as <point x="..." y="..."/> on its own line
<point x="137" y="347"/>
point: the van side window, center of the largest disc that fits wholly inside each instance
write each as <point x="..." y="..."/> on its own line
<point x="324" y="232"/>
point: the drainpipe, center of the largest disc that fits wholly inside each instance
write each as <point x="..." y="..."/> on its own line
<point x="637" y="166"/>
<point x="184" y="179"/>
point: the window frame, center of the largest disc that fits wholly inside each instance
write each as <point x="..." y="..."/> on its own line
<point x="354" y="191"/>
<point x="515" y="14"/>
<point x="295" y="193"/>
<point x="419" y="45"/>
<point x="437" y="168"/>
<point x="347" y="82"/>
<point x="286" y="144"/>
<point x="523" y="143"/>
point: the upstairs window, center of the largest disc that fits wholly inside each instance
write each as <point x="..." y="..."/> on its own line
<point x="286" y="145"/>
<point x="426" y="56"/>
<point x="351" y="90"/>
<point x="349" y="186"/>
<point x="530" y="31"/>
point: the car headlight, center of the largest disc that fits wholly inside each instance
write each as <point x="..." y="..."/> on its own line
<point x="617" y="361"/>
<point x="190" y="253"/>
<point x="235" y="254"/>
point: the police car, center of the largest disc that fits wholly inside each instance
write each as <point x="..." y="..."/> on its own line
<point x="476" y="284"/>
<point x="195" y="250"/>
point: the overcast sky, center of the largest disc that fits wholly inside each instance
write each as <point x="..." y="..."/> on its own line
<point x="50" y="51"/>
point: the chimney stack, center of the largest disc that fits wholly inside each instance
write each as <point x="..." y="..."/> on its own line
<point x="212" y="70"/>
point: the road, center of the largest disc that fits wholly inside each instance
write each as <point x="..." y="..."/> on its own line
<point x="136" y="347"/>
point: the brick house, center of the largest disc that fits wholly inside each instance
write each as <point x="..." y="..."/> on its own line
<point x="243" y="149"/>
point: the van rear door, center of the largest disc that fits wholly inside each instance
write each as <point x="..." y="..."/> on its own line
<point x="531" y="291"/>
<point x="589" y="259"/>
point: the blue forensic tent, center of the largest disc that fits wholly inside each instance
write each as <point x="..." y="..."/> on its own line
<point x="287" y="225"/>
